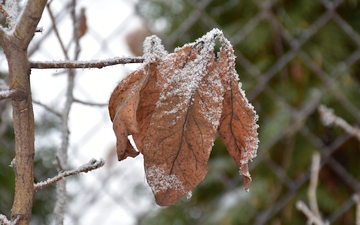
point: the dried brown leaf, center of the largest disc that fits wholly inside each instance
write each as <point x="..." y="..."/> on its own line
<point x="149" y="95"/>
<point x="182" y="129"/>
<point x="123" y="105"/>
<point x="174" y="106"/>
<point x="238" y="128"/>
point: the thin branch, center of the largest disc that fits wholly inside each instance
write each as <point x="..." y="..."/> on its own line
<point x="90" y="103"/>
<point x="314" y="176"/>
<point x="4" y="220"/>
<point x="63" y="154"/>
<point x="91" y="165"/>
<point x="312" y="218"/>
<point x="13" y="93"/>
<point x="59" y="164"/>
<point x="328" y="117"/>
<point x="84" y="64"/>
<point x="55" y="28"/>
<point x="312" y="214"/>
<point x="47" y="108"/>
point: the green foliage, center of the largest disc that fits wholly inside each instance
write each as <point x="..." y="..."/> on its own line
<point x="321" y="64"/>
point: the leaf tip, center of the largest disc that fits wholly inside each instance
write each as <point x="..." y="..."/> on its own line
<point x="166" y="187"/>
<point x="244" y="171"/>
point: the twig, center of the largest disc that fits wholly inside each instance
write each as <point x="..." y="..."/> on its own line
<point x="300" y="205"/>
<point x="59" y="164"/>
<point x="84" y="64"/>
<point x="13" y="93"/>
<point x="312" y="214"/>
<point x="90" y="103"/>
<point x="4" y="220"/>
<point x="47" y="108"/>
<point x="55" y="29"/>
<point x="91" y="165"/>
<point x="328" y="117"/>
<point x="63" y="154"/>
<point x="314" y="175"/>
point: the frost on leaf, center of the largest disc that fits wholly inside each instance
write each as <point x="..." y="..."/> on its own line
<point x="238" y="128"/>
<point x="174" y="106"/>
<point x="182" y="128"/>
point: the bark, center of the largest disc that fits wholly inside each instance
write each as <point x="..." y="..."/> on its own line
<point x="15" y="43"/>
<point x="24" y="136"/>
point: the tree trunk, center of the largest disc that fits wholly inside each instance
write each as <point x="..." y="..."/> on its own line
<point x="19" y="79"/>
<point x="15" y="43"/>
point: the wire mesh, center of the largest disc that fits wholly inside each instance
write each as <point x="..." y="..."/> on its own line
<point x="101" y="197"/>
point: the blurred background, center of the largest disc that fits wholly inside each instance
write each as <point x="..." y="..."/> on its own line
<point x="292" y="56"/>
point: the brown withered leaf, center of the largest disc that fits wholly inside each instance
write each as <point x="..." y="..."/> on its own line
<point x="174" y="107"/>
<point x="123" y="105"/>
<point x="150" y="95"/>
<point x="183" y="126"/>
<point x="238" y="128"/>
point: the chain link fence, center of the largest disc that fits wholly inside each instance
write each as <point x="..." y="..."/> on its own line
<point x="300" y="117"/>
<point x="118" y="192"/>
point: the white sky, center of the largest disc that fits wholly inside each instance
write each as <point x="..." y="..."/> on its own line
<point x="117" y="202"/>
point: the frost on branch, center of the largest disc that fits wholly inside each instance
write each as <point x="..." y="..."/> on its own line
<point x="173" y="107"/>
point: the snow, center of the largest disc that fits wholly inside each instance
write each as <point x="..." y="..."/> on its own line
<point x="4" y="220"/>
<point x="212" y="114"/>
<point x="153" y="49"/>
<point x="181" y="83"/>
<point x="159" y="180"/>
<point x="5" y="94"/>
<point x="189" y="195"/>
<point x="12" y="8"/>
<point x="185" y="82"/>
